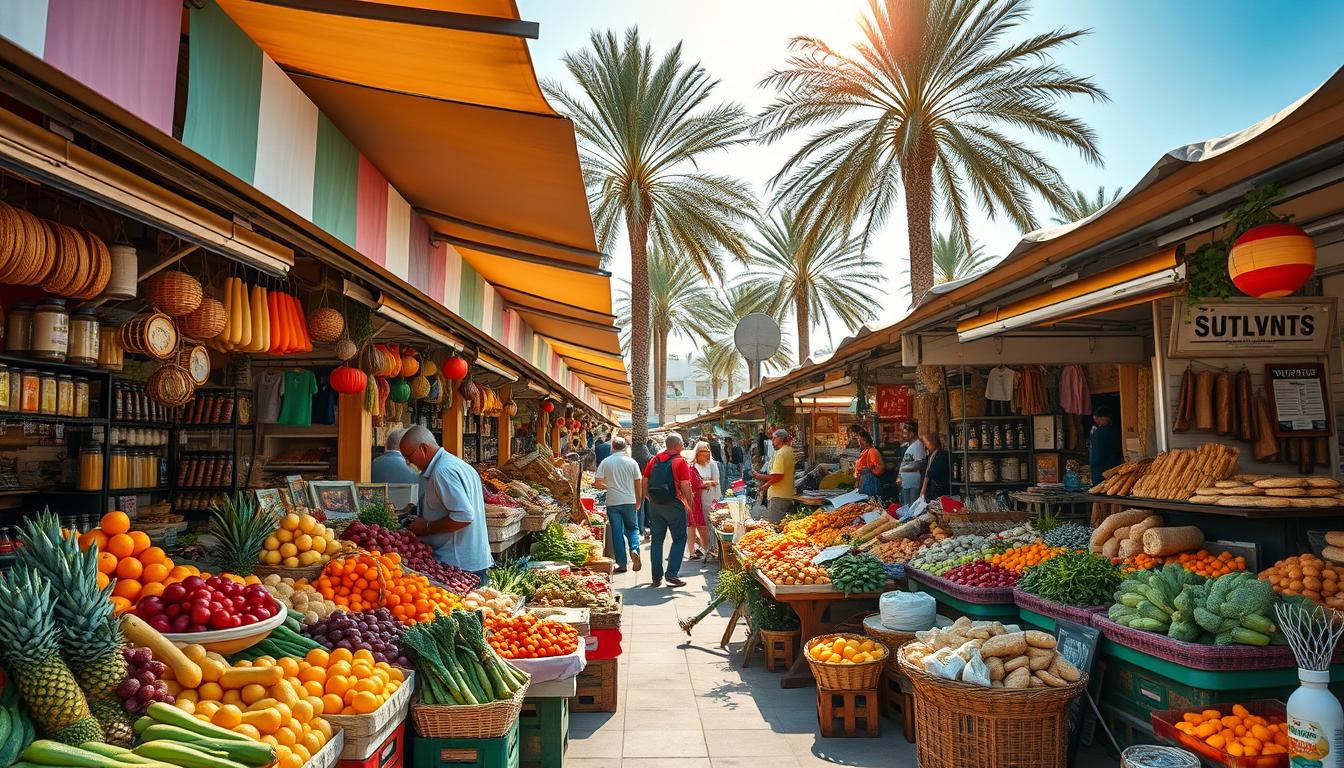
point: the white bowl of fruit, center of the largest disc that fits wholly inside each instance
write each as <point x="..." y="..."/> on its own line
<point x="221" y="614"/>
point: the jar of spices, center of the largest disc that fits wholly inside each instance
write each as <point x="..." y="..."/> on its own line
<point x="47" y="394"/>
<point x="83" y="348"/>
<point x="51" y="331"/>
<point x="81" y="398"/>
<point x="15" y="390"/>
<point x="91" y="467"/>
<point x="1008" y="470"/>
<point x="32" y="392"/>
<point x="977" y="473"/>
<point x="19" y="328"/>
<point x="991" y="471"/>
<point x="65" y="395"/>
<point x="119" y="470"/>
<point x="4" y="390"/>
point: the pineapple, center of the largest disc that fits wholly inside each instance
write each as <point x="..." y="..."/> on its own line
<point x="91" y="636"/>
<point x="30" y="644"/>
<point x="240" y="527"/>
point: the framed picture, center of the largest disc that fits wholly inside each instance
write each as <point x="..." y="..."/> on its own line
<point x="825" y="423"/>
<point x="402" y="495"/>
<point x="1045" y="432"/>
<point x="371" y="494"/>
<point x="270" y="500"/>
<point x="1048" y="468"/>
<point x="335" y="497"/>
<point x="298" y="490"/>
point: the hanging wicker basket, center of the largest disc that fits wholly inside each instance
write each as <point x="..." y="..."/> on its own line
<point x="68" y="255"/>
<point x="205" y="322"/>
<point x="196" y="360"/>
<point x="325" y="325"/>
<point x="419" y="388"/>
<point x="170" y="385"/>
<point x="173" y="292"/>
<point x="345" y="349"/>
<point x="153" y="334"/>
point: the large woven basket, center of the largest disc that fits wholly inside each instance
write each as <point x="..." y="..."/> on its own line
<point x="308" y="572"/>
<point x="959" y="725"/>
<point x="863" y="676"/>
<point x="468" y="721"/>
<point x="205" y="322"/>
<point x="976" y="595"/>
<point x="325" y="325"/>
<point x="173" y="292"/>
<point x="891" y="638"/>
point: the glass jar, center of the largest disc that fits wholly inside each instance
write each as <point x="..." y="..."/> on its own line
<point x="51" y="331"/>
<point x="65" y="395"/>
<point x="19" y="328"/>
<point x="91" y="467"/>
<point x="1008" y="470"/>
<point x="109" y="349"/>
<point x="5" y="399"/>
<point x="47" y="394"/>
<point x="991" y="471"/>
<point x="32" y="392"/>
<point x="119" y="470"/>
<point x="83" y="348"/>
<point x="82" y="398"/>
<point x="977" y="473"/>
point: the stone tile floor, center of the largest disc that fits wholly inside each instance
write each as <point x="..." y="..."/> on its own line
<point x="684" y="703"/>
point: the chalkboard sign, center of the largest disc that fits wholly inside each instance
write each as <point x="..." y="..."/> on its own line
<point x="1077" y="644"/>
<point x="1299" y="401"/>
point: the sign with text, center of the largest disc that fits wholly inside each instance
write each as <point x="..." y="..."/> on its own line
<point x="893" y="401"/>
<point x="1298" y="400"/>
<point x="1268" y="327"/>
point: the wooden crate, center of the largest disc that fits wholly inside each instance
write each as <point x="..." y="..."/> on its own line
<point x="596" y="688"/>
<point x="848" y="713"/>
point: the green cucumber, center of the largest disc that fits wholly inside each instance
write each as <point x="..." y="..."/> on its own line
<point x="142" y="723"/>
<point x="167" y="713"/>
<point x="116" y="753"/>
<point x="182" y="755"/>
<point x="48" y="752"/>
<point x="250" y="752"/>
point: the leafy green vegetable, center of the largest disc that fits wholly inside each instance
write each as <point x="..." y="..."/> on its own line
<point x="553" y="544"/>
<point x="1079" y="579"/>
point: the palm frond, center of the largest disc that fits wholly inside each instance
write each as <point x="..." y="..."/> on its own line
<point x="1078" y="205"/>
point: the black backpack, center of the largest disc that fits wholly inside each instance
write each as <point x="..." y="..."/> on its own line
<point x="663" y="481"/>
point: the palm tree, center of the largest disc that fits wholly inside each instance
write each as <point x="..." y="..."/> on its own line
<point x="923" y="107"/>
<point x="951" y="261"/>
<point x="813" y="272"/>
<point x="642" y="124"/>
<point x="1079" y="206"/>
<point x="678" y="296"/>
<point x="738" y="301"/>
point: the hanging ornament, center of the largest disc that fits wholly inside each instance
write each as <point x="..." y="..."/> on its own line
<point x="548" y="406"/>
<point x="399" y="391"/>
<point x="1271" y="260"/>
<point x="511" y="408"/>
<point x="455" y="368"/>
<point x="346" y="380"/>
<point x="410" y="364"/>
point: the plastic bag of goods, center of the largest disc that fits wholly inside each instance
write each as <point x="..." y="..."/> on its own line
<point x="907" y="611"/>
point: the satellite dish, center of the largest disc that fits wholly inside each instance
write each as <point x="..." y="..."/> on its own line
<point x="757" y="337"/>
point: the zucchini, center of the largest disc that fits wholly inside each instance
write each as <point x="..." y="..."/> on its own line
<point x="1149" y="625"/>
<point x="248" y="752"/>
<point x="182" y="755"/>
<point x="1249" y="636"/>
<point x="1258" y="623"/>
<point x="167" y="713"/>
<point x="48" y="752"/>
<point x="116" y="753"/>
<point x="1150" y="611"/>
<point x="142" y="723"/>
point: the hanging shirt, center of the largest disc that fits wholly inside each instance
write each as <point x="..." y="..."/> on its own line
<point x="296" y="405"/>
<point x="1074" y="394"/>
<point x="324" y="401"/>
<point x="268" y="395"/>
<point x="999" y="385"/>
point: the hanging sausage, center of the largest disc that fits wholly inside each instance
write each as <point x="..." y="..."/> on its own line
<point x="1222" y="395"/>
<point x="1185" y="406"/>
<point x="1204" y="401"/>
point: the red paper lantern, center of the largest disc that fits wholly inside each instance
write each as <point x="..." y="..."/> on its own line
<point x="455" y="368"/>
<point x="548" y="406"/>
<point x="1271" y="260"/>
<point x="348" y="381"/>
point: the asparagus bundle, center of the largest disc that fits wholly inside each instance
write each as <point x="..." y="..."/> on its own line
<point x="456" y="664"/>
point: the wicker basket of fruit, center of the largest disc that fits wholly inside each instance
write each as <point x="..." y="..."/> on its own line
<point x="847" y="662"/>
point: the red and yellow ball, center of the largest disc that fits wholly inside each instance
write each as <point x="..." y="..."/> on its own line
<point x="1271" y="260"/>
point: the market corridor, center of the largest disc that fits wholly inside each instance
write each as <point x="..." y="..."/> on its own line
<point x="683" y="703"/>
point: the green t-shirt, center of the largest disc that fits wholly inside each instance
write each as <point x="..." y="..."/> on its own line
<point x="296" y="404"/>
<point x="783" y="465"/>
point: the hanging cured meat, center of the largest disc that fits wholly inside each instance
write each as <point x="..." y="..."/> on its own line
<point x="1185" y="403"/>
<point x="1246" y="424"/>
<point x="1204" y="400"/>
<point x="1224" y="413"/>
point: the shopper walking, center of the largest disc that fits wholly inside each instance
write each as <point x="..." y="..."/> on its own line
<point x="667" y="486"/>
<point x="868" y="469"/>
<point x="732" y="456"/>
<point x="452" y="516"/>
<point x="778" y="482"/>
<point x="623" y="481"/>
<point x="705" y="485"/>
<point x="938" y="480"/>
<point x="913" y="462"/>
<point x="601" y="450"/>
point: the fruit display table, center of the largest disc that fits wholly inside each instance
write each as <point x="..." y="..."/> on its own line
<point x="810" y="602"/>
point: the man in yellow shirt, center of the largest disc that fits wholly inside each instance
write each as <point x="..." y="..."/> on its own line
<point x="779" y="480"/>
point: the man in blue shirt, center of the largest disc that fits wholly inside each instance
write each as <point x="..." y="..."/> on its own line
<point x="452" y="513"/>
<point x="601" y="450"/>
<point x="392" y="467"/>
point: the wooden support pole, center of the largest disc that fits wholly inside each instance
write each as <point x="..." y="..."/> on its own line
<point x="452" y="426"/>
<point x="555" y="439"/>
<point x="354" y="439"/>
<point x="504" y="427"/>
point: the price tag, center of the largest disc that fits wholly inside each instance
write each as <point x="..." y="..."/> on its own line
<point x="830" y="553"/>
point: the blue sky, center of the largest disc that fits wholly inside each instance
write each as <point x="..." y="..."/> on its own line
<point x="1176" y="71"/>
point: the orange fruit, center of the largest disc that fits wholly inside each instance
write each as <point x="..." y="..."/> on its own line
<point x="154" y="572"/>
<point x="154" y="555"/>
<point x="107" y="563"/>
<point x="114" y="523"/>
<point x="86" y="539"/>
<point x="130" y="568"/>
<point x="120" y="604"/>
<point x="103" y="580"/>
<point x="332" y="704"/>
<point x="151" y="588"/>
<point x="141" y="540"/>
<point x="128" y="589"/>
<point x="121" y="545"/>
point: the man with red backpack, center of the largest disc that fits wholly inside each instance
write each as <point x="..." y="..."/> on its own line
<point x="667" y="483"/>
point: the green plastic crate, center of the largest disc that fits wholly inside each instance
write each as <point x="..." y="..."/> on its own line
<point x="1006" y="612"/>
<point x="467" y="753"/>
<point x="543" y="728"/>
<point x="1034" y="620"/>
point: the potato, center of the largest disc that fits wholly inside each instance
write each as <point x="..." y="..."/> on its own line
<point x="1037" y="639"/>
<point x="1018" y="679"/>
<point x="1014" y="644"/>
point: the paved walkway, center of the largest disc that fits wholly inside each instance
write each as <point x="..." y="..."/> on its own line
<point x="683" y="702"/>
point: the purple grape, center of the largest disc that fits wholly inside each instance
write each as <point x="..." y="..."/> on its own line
<point x="142" y="657"/>
<point x="146" y="677"/>
<point x="146" y="693"/>
<point x="128" y="688"/>
<point x="156" y="667"/>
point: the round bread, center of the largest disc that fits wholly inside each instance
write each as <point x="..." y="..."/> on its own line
<point x="1208" y="491"/>
<point x="1205" y="499"/>
<point x="1322" y="482"/>
<point x="66" y="264"/>
<point x="100" y="267"/>
<point x="9" y="230"/>
<point x="1250" y="478"/>
<point x="1269" y="502"/>
<point x="1281" y="482"/>
<point x="1242" y="490"/>
<point x="1230" y="484"/>
<point x="1290" y="492"/>
<point x="1322" y="493"/>
<point x="1313" y="503"/>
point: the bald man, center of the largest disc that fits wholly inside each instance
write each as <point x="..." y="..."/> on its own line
<point x="452" y="513"/>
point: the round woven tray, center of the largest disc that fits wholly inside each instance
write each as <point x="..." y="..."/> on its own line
<point x="846" y="677"/>
<point x="308" y="572"/>
<point x="468" y="721"/>
<point x="959" y="724"/>
<point x="888" y="637"/>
